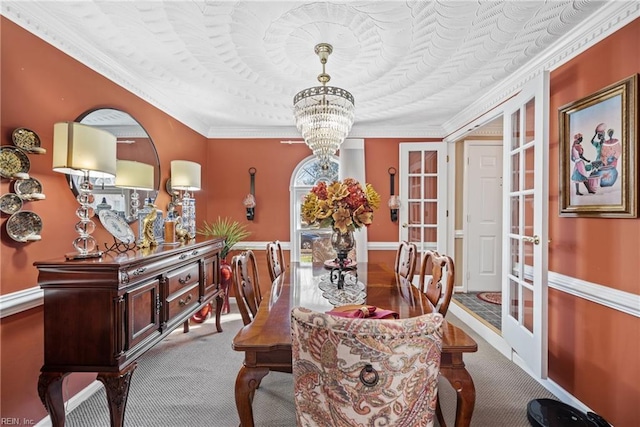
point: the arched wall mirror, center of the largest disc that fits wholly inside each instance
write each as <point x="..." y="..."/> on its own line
<point x="133" y="143"/>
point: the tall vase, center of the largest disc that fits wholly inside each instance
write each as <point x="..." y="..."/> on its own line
<point x="225" y="282"/>
<point x="342" y="243"/>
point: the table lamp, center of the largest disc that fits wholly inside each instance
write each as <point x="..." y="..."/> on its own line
<point x="89" y="152"/>
<point x="135" y="176"/>
<point x="185" y="176"/>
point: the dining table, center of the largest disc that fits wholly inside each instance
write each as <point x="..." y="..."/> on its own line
<point x="266" y="341"/>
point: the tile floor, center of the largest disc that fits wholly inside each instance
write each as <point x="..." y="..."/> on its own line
<point x="489" y="313"/>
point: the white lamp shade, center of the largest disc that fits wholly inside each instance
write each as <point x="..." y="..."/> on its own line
<point x="136" y="175"/>
<point x="185" y="175"/>
<point x="78" y="148"/>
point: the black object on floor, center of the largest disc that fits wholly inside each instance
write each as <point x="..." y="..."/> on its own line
<point x="553" y="413"/>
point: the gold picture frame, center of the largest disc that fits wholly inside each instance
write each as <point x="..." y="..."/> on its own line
<point x="598" y="153"/>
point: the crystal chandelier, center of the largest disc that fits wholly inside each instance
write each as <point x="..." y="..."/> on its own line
<point x="324" y="114"/>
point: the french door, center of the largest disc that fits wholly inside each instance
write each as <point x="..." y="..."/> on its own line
<point x="423" y="195"/>
<point x="525" y="211"/>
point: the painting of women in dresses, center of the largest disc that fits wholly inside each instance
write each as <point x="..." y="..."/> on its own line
<point x="599" y="156"/>
<point x="597" y="153"/>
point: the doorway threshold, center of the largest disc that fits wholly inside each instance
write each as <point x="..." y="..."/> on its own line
<point x="486" y="312"/>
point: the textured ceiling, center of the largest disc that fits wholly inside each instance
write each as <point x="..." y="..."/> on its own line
<point x="232" y="68"/>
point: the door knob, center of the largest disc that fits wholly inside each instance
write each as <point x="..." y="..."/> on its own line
<point x="535" y="239"/>
<point x="404" y="225"/>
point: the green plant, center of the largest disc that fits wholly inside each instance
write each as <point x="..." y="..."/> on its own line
<point x="232" y="231"/>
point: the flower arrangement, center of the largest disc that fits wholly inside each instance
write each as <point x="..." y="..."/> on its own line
<point x="345" y="206"/>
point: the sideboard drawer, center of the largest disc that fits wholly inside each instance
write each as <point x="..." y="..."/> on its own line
<point x="183" y="277"/>
<point x="180" y="302"/>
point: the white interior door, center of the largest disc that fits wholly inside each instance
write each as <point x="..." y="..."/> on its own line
<point x="423" y="195"/>
<point x="524" y="286"/>
<point x="483" y="211"/>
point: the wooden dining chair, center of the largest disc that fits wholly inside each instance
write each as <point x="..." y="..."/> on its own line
<point x="246" y="285"/>
<point x="275" y="259"/>
<point x="406" y="259"/>
<point x="436" y="270"/>
<point x="432" y="269"/>
<point x="364" y="372"/>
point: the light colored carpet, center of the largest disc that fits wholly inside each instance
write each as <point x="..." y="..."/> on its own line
<point x="188" y="380"/>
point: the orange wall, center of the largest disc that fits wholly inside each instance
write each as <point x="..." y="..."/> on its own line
<point x="42" y="86"/>
<point x="274" y="162"/>
<point x="593" y="350"/>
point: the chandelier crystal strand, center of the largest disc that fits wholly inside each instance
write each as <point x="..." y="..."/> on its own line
<point x="324" y="114"/>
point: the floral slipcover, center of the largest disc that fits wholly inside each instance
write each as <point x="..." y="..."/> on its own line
<point x="365" y="372"/>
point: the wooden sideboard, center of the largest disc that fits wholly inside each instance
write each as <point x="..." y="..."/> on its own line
<point x="101" y="314"/>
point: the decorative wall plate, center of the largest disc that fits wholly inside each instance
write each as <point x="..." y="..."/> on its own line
<point x="28" y="189"/>
<point x="28" y="140"/>
<point x="10" y="203"/>
<point x="13" y="161"/>
<point x="24" y="226"/>
<point x="117" y="226"/>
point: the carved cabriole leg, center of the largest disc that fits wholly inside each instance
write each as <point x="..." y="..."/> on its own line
<point x="219" y="303"/>
<point x="50" y="392"/>
<point x="247" y="381"/>
<point x="117" y="387"/>
<point x="452" y="368"/>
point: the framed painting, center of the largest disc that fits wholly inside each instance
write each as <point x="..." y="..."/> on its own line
<point x="598" y="153"/>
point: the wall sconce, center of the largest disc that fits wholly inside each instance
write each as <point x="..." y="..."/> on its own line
<point x="394" y="201"/>
<point x="135" y="176"/>
<point x="89" y="152"/>
<point x="250" y="201"/>
<point x="185" y="176"/>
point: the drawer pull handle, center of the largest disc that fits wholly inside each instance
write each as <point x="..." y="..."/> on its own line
<point x="183" y="256"/>
<point x="194" y="253"/>
<point x="139" y="271"/>
<point x="184" y="302"/>
<point x="185" y="280"/>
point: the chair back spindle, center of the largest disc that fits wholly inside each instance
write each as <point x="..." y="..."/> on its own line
<point x="275" y="259"/>
<point x="246" y="285"/>
<point x="437" y="279"/>
<point x="406" y="260"/>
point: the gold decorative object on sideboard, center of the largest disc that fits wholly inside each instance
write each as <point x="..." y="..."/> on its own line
<point x="100" y="315"/>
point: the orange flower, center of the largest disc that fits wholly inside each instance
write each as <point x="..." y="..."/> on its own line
<point x="342" y="220"/>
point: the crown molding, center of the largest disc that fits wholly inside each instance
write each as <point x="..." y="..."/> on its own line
<point x="290" y="132"/>
<point x="607" y="21"/>
<point x="27" y="15"/>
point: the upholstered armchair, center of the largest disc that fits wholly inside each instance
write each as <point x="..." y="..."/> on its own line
<point x="365" y="372"/>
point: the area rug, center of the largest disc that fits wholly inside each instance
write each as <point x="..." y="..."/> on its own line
<point x="492" y="297"/>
